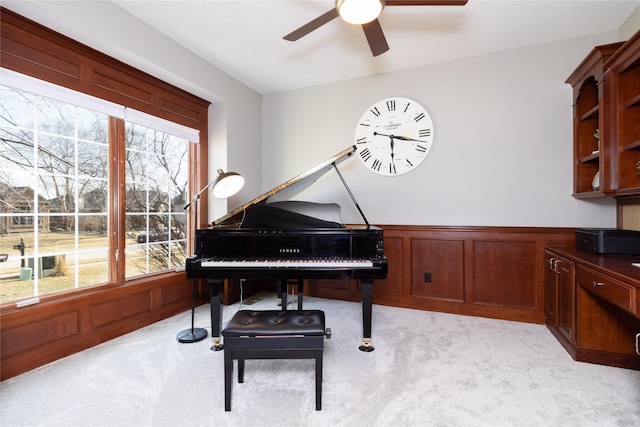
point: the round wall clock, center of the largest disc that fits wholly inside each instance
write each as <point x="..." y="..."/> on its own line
<point x="394" y="136"/>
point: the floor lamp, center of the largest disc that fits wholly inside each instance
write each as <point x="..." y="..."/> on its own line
<point x="226" y="184"/>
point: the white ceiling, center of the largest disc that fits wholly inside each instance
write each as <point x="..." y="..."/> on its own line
<point x="244" y="38"/>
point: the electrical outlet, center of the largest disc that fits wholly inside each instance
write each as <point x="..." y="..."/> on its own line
<point x="427" y="277"/>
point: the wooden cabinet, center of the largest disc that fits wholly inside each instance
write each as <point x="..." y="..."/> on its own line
<point x="622" y="92"/>
<point x="591" y="155"/>
<point x="592" y="306"/>
<point x="560" y="298"/>
<point x="606" y="121"/>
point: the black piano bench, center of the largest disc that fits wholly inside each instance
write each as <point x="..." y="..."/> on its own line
<point x="273" y="334"/>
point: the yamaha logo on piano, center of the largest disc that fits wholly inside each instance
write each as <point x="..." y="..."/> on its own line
<point x="289" y="250"/>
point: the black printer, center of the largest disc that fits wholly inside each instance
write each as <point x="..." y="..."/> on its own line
<point x="608" y="241"/>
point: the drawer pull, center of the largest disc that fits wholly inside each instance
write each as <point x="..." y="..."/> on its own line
<point x="596" y="284"/>
<point x="638" y="344"/>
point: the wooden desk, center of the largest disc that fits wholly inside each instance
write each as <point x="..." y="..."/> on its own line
<point x="592" y="305"/>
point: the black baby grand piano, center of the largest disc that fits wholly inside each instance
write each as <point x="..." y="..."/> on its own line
<point x="289" y="240"/>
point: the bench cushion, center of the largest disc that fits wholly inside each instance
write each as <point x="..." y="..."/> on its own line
<point x="275" y="323"/>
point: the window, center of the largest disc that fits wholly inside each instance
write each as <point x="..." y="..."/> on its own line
<point x="156" y="185"/>
<point x="57" y="198"/>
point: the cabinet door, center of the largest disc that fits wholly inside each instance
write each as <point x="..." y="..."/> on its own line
<point x="551" y="290"/>
<point x="565" y="270"/>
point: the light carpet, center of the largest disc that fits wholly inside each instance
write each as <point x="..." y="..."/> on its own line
<point x="428" y="369"/>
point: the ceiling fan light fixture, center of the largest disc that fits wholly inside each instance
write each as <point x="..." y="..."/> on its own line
<point x="359" y="11"/>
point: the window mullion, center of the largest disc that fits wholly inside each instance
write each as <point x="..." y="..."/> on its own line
<point x="117" y="192"/>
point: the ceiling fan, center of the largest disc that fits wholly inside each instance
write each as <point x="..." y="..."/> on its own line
<point x="351" y="11"/>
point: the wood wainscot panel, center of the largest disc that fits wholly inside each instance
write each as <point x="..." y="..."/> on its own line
<point x="505" y="274"/>
<point x="120" y="309"/>
<point x="177" y="292"/>
<point x="347" y="290"/>
<point x="22" y="51"/>
<point x="392" y="285"/>
<point x="437" y="269"/>
<point x="175" y="106"/>
<point x="121" y="88"/>
<point x="39" y="332"/>
<point x="57" y="327"/>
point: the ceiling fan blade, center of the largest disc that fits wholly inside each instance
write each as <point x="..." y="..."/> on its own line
<point x="312" y="25"/>
<point x="426" y="2"/>
<point x="375" y="37"/>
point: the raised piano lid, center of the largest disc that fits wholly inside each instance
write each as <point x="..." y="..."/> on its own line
<point x="292" y="187"/>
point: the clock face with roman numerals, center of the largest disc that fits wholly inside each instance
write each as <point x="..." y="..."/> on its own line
<point x="394" y="136"/>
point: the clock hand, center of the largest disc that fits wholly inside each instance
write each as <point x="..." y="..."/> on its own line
<point x="392" y="145"/>
<point x="402" y="138"/>
<point x="392" y="166"/>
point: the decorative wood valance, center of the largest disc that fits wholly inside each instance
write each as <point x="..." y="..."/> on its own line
<point x="32" y="49"/>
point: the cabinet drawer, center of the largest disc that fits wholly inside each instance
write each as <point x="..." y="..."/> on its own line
<point x="614" y="291"/>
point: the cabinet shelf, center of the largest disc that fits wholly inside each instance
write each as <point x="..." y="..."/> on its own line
<point x="635" y="145"/>
<point x="592" y="113"/>
<point x="590" y="158"/>
<point x="632" y="102"/>
<point x="588" y="194"/>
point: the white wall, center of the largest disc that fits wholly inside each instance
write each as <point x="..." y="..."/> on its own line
<point x="502" y="152"/>
<point x="631" y="25"/>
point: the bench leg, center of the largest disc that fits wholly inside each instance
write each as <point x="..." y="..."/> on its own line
<point x="319" y="381"/>
<point x="228" y="371"/>
<point x="240" y="370"/>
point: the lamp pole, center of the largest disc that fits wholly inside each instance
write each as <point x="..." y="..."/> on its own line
<point x="227" y="184"/>
<point x="194" y="334"/>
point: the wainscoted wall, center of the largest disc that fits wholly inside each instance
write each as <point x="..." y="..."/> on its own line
<point x="495" y="272"/>
<point x="57" y="327"/>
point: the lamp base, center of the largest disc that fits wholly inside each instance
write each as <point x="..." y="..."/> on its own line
<point x="191" y="335"/>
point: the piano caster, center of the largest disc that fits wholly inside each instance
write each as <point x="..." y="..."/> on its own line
<point x="217" y="345"/>
<point x="366" y="346"/>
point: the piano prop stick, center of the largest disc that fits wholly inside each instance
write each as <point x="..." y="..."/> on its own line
<point x="224" y="185"/>
<point x="289" y="240"/>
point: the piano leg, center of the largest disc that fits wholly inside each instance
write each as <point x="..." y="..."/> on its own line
<point x="215" y="301"/>
<point x="283" y="292"/>
<point x="367" y="303"/>
<point x="300" y="288"/>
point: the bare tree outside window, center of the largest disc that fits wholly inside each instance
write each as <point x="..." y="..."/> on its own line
<point x="55" y="203"/>
<point x="156" y="184"/>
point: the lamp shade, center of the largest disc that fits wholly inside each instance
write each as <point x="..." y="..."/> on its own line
<point x="227" y="184"/>
<point x="359" y="11"/>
